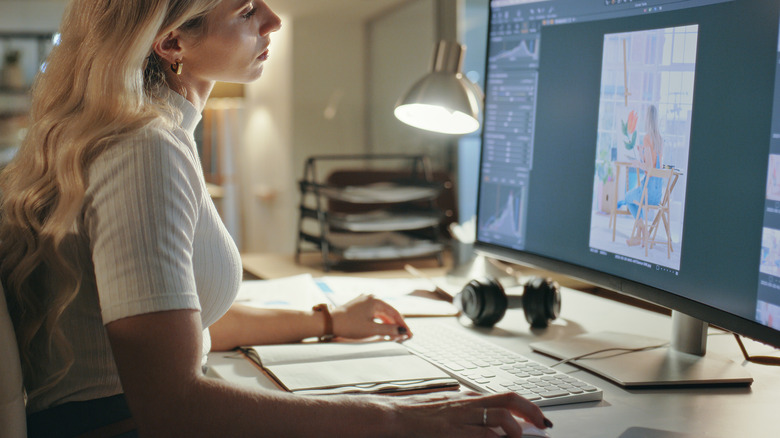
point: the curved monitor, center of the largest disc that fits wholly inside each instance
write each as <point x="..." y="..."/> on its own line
<point x="636" y="145"/>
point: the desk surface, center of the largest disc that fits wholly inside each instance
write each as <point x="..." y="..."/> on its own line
<point x="269" y="266"/>
<point x="653" y="413"/>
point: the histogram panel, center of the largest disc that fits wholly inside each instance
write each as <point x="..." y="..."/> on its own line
<point x="504" y="206"/>
<point x="508" y="147"/>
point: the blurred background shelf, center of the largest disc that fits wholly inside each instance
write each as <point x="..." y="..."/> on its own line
<point x="377" y="207"/>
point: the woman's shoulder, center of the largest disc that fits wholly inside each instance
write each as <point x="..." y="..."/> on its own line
<point x="155" y="134"/>
<point x="155" y="141"/>
<point x="153" y="151"/>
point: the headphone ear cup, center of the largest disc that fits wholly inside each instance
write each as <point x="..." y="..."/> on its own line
<point x="483" y="301"/>
<point x="541" y="301"/>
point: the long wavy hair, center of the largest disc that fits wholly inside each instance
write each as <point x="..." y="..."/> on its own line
<point x="100" y="83"/>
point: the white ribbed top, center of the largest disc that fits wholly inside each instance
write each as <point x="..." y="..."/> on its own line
<point x="156" y="243"/>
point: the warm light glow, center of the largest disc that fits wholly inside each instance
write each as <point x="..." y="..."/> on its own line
<point x="443" y="100"/>
<point x="436" y="118"/>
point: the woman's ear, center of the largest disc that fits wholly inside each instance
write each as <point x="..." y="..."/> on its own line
<point x="168" y="48"/>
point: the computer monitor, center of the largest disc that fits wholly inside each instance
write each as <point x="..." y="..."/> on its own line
<point x="636" y="145"/>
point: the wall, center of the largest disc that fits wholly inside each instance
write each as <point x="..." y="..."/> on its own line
<point x="267" y="181"/>
<point x="30" y="15"/>
<point x="328" y="97"/>
<point x="401" y="47"/>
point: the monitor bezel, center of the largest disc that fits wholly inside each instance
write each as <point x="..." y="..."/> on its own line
<point x="668" y="299"/>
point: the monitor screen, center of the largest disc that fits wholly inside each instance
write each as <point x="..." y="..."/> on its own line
<point x="636" y="145"/>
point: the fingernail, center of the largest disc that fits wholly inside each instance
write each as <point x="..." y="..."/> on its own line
<point x="548" y="423"/>
<point x="401" y="330"/>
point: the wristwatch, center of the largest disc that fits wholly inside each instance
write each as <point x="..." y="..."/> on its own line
<point x="328" y="333"/>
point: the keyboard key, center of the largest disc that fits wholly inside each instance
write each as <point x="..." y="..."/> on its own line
<point x="492" y="387"/>
<point x="466" y="364"/>
<point x="452" y="366"/>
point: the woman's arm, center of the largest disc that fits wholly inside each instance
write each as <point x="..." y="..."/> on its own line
<point x="244" y="325"/>
<point x="158" y="358"/>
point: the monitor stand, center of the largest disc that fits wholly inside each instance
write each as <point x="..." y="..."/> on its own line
<point x="681" y="363"/>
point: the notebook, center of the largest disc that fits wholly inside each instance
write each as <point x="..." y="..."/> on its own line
<point x="343" y="368"/>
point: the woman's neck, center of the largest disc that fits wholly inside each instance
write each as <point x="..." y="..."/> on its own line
<point x="194" y="90"/>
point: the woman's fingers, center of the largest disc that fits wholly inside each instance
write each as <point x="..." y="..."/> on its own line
<point x="390" y="315"/>
<point x="461" y="415"/>
<point x="518" y="406"/>
<point x="358" y="319"/>
<point x="498" y="417"/>
<point x="387" y="330"/>
<point x="497" y="410"/>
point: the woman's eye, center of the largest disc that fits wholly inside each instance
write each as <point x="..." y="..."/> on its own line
<point x="249" y="14"/>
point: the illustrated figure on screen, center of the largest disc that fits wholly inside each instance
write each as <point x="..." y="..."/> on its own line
<point x="650" y="155"/>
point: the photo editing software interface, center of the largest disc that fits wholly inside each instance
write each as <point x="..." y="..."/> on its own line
<point x="639" y="139"/>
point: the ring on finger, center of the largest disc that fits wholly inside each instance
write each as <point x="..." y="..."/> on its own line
<point x="484" y="416"/>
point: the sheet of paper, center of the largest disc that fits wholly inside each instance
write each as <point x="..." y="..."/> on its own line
<point x="394" y="291"/>
<point x="301" y="292"/>
<point x="384" y="374"/>
<point x="283" y="354"/>
<point x="298" y="292"/>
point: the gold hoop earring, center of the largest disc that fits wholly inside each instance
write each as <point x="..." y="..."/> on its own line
<point x="177" y="67"/>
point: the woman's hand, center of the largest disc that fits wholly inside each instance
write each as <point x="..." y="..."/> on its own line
<point x="366" y="316"/>
<point x="466" y="415"/>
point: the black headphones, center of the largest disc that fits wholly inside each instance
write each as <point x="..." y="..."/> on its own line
<point x="485" y="302"/>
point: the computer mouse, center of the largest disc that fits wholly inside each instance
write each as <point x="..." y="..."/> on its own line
<point x="529" y="430"/>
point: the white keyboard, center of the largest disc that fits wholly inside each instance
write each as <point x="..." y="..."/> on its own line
<point x="487" y="367"/>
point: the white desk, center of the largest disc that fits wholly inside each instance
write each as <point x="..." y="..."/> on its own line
<point x="655" y="413"/>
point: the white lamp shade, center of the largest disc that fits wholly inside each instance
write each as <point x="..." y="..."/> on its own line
<point x="444" y="100"/>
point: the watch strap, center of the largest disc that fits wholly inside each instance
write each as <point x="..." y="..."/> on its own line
<point x="327" y="335"/>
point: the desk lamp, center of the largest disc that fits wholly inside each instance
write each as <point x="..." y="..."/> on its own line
<point x="443" y="100"/>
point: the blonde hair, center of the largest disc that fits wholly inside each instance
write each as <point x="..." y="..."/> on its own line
<point x="100" y="83"/>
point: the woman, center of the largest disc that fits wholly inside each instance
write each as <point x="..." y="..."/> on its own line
<point x="650" y="156"/>
<point x="117" y="270"/>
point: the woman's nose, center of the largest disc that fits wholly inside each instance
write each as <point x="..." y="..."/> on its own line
<point x="272" y="22"/>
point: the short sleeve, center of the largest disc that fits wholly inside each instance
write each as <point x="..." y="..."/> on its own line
<point x="141" y="210"/>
